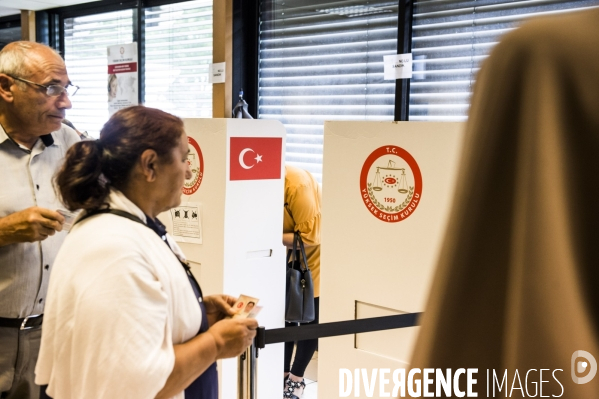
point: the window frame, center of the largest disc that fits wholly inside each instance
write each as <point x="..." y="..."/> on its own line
<point x="246" y="20"/>
<point x="405" y="16"/>
<point x="10" y="22"/>
<point x="54" y="18"/>
<point x="245" y="15"/>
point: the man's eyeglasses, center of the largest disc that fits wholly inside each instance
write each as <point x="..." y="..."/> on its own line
<point x="53" y="90"/>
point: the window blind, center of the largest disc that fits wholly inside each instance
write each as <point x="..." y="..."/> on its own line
<point x="178" y="51"/>
<point x="450" y="39"/>
<point x="323" y="60"/>
<point x="86" y="39"/>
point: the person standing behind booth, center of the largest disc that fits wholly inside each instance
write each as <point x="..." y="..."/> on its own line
<point x="125" y="317"/>
<point x="302" y="213"/>
<point x="34" y="89"/>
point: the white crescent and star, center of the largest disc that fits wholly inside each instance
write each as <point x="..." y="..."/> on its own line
<point x="242" y="154"/>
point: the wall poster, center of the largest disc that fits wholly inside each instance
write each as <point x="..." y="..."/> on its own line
<point x="123" y="77"/>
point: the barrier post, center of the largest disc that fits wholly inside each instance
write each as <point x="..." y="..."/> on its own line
<point x="253" y="374"/>
<point x="242" y="391"/>
<point x="248" y="374"/>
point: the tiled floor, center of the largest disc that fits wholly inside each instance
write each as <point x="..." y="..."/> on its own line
<point x="311" y="389"/>
<point x="311" y="377"/>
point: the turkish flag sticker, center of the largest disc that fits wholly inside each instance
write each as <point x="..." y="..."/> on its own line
<point x="255" y="158"/>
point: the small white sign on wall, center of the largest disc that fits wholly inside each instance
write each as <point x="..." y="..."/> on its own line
<point x="217" y="72"/>
<point x="398" y="66"/>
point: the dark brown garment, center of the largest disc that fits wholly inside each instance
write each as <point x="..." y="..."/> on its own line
<point x="517" y="285"/>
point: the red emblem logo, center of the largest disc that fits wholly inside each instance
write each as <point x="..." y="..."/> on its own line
<point x="391" y="184"/>
<point x="196" y="164"/>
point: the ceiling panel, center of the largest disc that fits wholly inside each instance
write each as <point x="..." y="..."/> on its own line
<point x="11" y="7"/>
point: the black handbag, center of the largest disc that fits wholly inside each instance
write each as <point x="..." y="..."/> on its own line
<point x="299" y="299"/>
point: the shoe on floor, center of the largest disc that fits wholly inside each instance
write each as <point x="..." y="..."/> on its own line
<point x="291" y="386"/>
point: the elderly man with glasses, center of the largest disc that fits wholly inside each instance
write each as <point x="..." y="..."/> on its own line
<point x="34" y="94"/>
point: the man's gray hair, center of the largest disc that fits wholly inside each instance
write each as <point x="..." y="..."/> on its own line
<point x="14" y="58"/>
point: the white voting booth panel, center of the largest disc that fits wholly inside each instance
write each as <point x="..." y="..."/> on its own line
<point x="387" y="192"/>
<point x="229" y="226"/>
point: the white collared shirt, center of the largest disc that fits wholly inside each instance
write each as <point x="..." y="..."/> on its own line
<point x="26" y="181"/>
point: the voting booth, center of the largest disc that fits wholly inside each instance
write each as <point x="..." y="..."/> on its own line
<point x="229" y="225"/>
<point x="387" y="193"/>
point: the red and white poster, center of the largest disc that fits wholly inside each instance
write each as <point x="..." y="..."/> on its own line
<point x="255" y="158"/>
<point x="122" y="76"/>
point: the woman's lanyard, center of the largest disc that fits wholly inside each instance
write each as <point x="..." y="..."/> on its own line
<point x="159" y="229"/>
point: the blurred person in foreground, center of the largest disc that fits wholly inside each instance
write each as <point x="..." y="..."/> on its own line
<point x="34" y="96"/>
<point x="125" y="317"/>
<point x="516" y="286"/>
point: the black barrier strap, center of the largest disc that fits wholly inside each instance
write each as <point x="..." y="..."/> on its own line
<point x="312" y="331"/>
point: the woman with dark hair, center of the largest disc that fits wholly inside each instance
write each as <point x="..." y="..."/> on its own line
<point x="125" y="318"/>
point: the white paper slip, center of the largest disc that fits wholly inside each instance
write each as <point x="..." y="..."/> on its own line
<point x="217" y="73"/>
<point x="69" y="218"/>
<point x="398" y="66"/>
<point x="264" y="253"/>
<point x="254" y="312"/>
